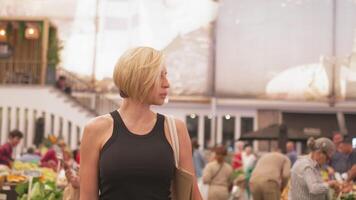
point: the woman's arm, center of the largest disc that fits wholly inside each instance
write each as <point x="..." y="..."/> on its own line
<point x="315" y="187"/>
<point x="185" y="155"/>
<point x="96" y="133"/>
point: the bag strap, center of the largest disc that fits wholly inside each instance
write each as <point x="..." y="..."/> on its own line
<point x="174" y="138"/>
<point x="217" y="172"/>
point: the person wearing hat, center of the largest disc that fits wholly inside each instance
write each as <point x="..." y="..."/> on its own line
<point x="306" y="180"/>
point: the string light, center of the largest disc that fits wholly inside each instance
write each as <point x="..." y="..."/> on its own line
<point x="2" y="32"/>
<point x="31" y="31"/>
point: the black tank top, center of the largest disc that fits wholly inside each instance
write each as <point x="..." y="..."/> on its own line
<point x="136" y="167"/>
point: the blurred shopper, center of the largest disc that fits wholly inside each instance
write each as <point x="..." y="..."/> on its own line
<point x="62" y="85"/>
<point x="239" y="180"/>
<point x="237" y="159"/>
<point x="76" y="154"/>
<point x="346" y="149"/>
<point x="306" y="180"/>
<point x="291" y="152"/>
<point x="217" y="175"/>
<point x="6" y="149"/>
<point x="270" y="176"/>
<point x="130" y="147"/>
<point x="248" y="159"/>
<point x="72" y="190"/>
<point x="339" y="159"/>
<point x="198" y="158"/>
<point x="338" y="138"/>
<point x="30" y="156"/>
<point x="199" y="164"/>
<point x="50" y="158"/>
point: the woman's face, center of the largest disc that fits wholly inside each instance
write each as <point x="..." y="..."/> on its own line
<point x="322" y="158"/>
<point x="160" y="91"/>
<point x="248" y="150"/>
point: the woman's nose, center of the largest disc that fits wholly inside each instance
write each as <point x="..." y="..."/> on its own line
<point x="165" y="83"/>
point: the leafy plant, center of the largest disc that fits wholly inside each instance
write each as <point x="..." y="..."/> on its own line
<point x="40" y="191"/>
<point x="349" y="196"/>
<point x="54" y="47"/>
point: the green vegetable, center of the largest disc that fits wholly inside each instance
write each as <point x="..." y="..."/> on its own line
<point x="52" y="196"/>
<point x="349" y="196"/>
<point x="40" y="191"/>
<point x="21" y="188"/>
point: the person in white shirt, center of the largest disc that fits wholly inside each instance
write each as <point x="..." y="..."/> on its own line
<point x="248" y="159"/>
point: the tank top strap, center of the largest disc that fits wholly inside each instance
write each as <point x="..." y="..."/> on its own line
<point x="160" y="121"/>
<point x="160" y="126"/>
<point x="114" y="115"/>
<point x="116" y="118"/>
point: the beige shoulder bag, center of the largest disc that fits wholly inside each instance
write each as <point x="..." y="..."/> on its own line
<point x="182" y="185"/>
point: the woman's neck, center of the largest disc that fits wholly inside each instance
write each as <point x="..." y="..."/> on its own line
<point x="135" y="109"/>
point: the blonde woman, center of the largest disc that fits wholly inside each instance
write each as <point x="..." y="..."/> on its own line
<point x="127" y="154"/>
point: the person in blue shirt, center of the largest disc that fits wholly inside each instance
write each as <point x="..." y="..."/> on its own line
<point x="291" y="153"/>
<point x="198" y="158"/>
<point x="30" y="156"/>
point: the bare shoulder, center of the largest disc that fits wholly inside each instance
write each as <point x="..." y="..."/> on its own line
<point x="182" y="130"/>
<point x="180" y="125"/>
<point x="183" y="135"/>
<point x="99" y="129"/>
<point x="99" y="123"/>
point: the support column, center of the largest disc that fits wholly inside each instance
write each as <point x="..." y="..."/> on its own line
<point x="237" y="127"/>
<point x="31" y="128"/>
<point x="4" y="131"/>
<point x="201" y="131"/>
<point x="44" y="63"/>
<point x="219" y="129"/>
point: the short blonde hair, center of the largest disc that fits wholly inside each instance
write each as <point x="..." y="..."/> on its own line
<point x="137" y="72"/>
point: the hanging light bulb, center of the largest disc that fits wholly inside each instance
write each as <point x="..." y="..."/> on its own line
<point x="3" y="34"/>
<point x="32" y="32"/>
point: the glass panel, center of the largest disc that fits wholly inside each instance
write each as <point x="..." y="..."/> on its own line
<point x="246" y="124"/>
<point x="207" y="132"/>
<point x="229" y="131"/>
<point x="192" y="125"/>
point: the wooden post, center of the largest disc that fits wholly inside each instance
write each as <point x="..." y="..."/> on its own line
<point x="45" y="35"/>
